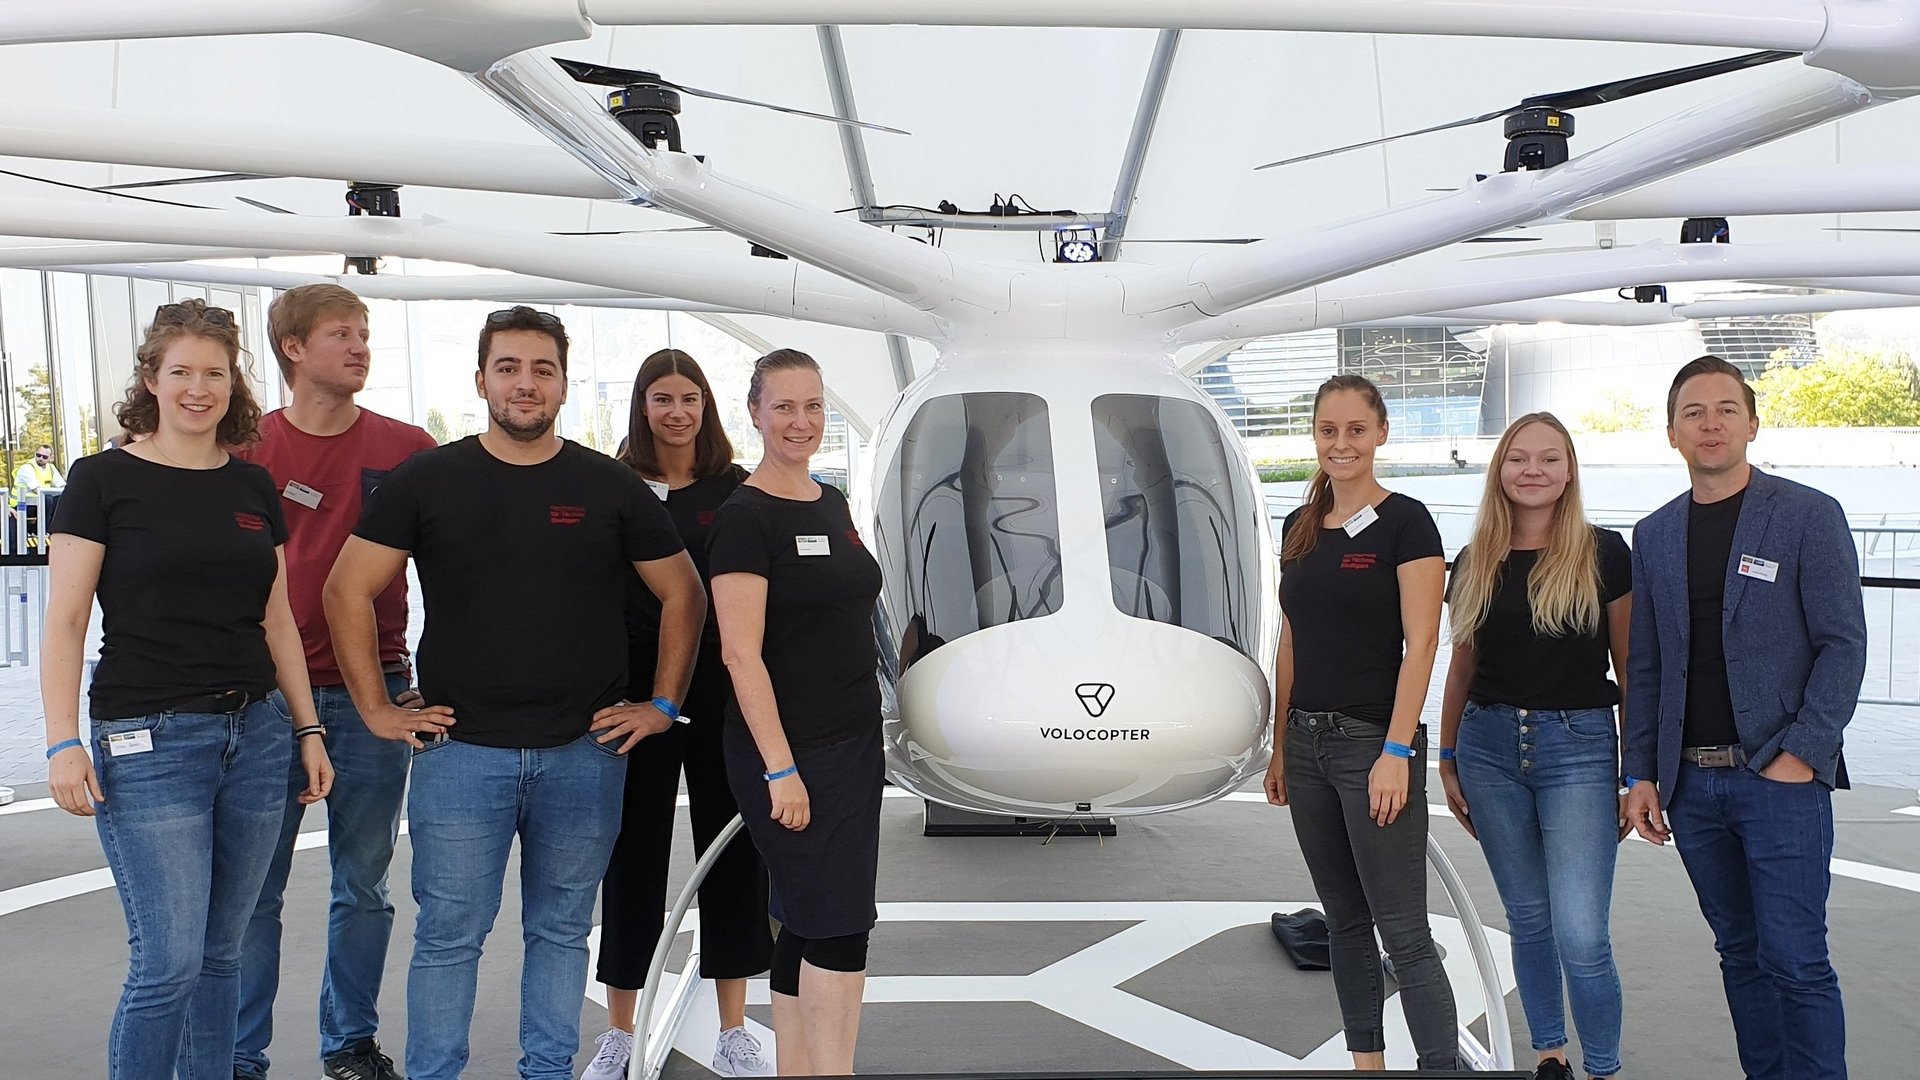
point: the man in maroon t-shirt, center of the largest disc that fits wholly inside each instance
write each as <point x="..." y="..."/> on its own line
<point x="327" y="456"/>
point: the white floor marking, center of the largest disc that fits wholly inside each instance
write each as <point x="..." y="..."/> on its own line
<point x="27" y="806"/>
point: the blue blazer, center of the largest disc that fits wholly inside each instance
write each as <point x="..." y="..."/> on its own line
<point x="1796" y="647"/>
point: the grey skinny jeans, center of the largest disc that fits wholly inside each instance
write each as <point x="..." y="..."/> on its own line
<point x="1368" y="876"/>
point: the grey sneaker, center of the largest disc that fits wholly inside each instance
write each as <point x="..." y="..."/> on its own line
<point x="738" y="1053"/>
<point x="616" y="1047"/>
<point x="360" y="1061"/>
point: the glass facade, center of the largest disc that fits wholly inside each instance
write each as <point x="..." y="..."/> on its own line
<point x="1181" y="518"/>
<point x="1432" y="378"/>
<point x="967" y="527"/>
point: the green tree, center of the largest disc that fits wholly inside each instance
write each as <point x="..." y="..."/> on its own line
<point x="1616" y="412"/>
<point x="33" y="405"/>
<point x="1844" y="388"/>
<point x="437" y="426"/>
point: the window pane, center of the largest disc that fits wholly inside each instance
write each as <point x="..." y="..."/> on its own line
<point x="968" y="530"/>
<point x="1182" y="535"/>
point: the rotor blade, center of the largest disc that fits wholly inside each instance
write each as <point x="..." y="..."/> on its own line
<point x="1468" y="122"/>
<point x="1620" y="89"/>
<point x="605" y="74"/>
<point x="1502" y="240"/>
<point x="696" y="92"/>
<point x="635" y="232"/>
<point x="1868" y="228"/>
<point x="267" y="206"/>
<point x="213" y="178"/>
<point x="98" y="191"/>
<point x="1196" y="240"/>
<point x="1597" y="94"/>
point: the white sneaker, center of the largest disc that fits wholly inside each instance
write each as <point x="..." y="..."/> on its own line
<point x="738" y="1053"/>
<point x="610" y="1063"/>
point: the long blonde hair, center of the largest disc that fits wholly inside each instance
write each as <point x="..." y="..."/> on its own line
<point x="1564" y="586"/>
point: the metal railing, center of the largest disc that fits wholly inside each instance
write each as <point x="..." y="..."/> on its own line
<point x="652" y="1045"/>
<point x="23" y="577"/>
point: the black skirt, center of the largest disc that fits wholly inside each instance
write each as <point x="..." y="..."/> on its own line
<point x="822" y="877"/>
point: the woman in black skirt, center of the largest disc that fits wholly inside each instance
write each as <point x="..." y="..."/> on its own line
<point x="794" y="589"/>
<point x="676" y="443"/>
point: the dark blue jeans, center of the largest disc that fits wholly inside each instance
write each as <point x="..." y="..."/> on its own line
<point x="1758" y="852"/>
<point x="1541" y="788"/>
<point x="363" y="819"/>
<point x="188" y="829"/>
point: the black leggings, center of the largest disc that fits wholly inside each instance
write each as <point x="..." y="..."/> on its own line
<point x="847" y="953"/>
<point x="735" y="942"/>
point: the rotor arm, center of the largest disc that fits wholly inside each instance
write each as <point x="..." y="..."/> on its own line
<point x="533" y="87"/>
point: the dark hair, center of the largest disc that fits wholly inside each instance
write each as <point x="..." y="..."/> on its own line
<point x="522" y="317"/>
<point x="778" y="360"/>
<point x="712" y="450"/>
<point x="139" y="412"/>
<point x="1707" y="365"/>
<point x="1305" y="534"/>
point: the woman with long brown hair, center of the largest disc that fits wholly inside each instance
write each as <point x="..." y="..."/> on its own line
<point x="1361" y="579"/>
<point x="676" y="443"/>
<point x="1529" y="747"/>
<point x="182" y="543"/>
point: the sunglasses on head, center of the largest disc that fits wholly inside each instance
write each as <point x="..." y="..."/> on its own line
<point x="187" y="311"/>
<point x="509" y="315"/>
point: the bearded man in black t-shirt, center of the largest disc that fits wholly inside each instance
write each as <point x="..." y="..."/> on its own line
<point x="523" y="543"/>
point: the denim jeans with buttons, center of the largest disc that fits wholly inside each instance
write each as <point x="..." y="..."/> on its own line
<point x="1542" y="791"/>
<point x="1367" y="877"/>
<point x="188" y="828"/>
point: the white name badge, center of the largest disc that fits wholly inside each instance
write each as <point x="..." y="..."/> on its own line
<point x="302" y="494"/>
<point x="1754" y="566"/>
<point x="811" y="545"/>
<point x="130" y="742"/>
<point x="1358" y="523"/>
<point x="660" y="489"/>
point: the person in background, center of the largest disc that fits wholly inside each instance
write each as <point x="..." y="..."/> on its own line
<point x="33" y="482"/>
<point x="676" y="443"/>
<point x="327" y="454"/>
<point x="1749" y="643"/>
<point x="794" y="589"/>
<point x="1541" y="603"/>
<point x="182" y="543"/>
<point x="1362" y="575"/>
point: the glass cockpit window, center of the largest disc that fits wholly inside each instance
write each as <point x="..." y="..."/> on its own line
<point x="966" y="522"/>
<point x="1182" y="539"/>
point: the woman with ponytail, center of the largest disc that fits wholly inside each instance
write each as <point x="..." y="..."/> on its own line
<point x="1540" y="604"/>
<point x="1362" y="574"/>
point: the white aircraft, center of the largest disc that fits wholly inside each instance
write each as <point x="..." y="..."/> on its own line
<point x="1079" y="613"/>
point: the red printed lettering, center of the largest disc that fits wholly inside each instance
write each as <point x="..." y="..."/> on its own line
<point x="566" y="515"/>
<point x="1358" y="560"/>
<point x="249" y="522"/>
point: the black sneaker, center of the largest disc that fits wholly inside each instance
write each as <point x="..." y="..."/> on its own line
<point x="360" y="1061"/>
<point x="1553" y="1069"/>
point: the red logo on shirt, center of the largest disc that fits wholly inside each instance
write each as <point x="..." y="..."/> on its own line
<point x="704" y="517"/>
<point x="566" y="515"/>
<point x="854" y="535"/>
<point x="1358" y="560"/>
<point x="249" y="522"/>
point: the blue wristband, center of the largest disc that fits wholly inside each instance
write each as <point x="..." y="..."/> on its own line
<point x="1396" y="749"/>
<point x="667" y="708"/>
<point x="790" y="770"/>
<point x="1628" y="781"/>
<point x="65" y="744"/>
<point x="1446" y="753"/>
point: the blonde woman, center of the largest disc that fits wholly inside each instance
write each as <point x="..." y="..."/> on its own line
<point x="1529" y="747"/>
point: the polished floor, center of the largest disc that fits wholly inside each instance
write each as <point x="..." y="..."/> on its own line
<point x="1146" y="950"/>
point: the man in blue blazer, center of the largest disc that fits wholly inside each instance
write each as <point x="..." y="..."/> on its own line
<point x="1748" y="646"/>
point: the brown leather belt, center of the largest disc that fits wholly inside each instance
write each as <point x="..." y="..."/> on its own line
<point x="1715" y="757"/>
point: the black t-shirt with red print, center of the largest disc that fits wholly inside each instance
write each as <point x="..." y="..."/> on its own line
<point x="692" y="509"/>
<point x="1342" y="604"/>
<point x="184" y="582"/>
<point x="523" y="572"/>
<point x="821" y="586"/>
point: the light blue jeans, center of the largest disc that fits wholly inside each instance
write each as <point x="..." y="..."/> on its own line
<point x="464" y="808"/>
<point x="363" y="819"/>
<point x="1541" y="786"/>
<point x="188" y="829"/>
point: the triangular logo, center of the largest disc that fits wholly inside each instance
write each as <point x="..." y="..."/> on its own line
<point x="1094" y="697"/>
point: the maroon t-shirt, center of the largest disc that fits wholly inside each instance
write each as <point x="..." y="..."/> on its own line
<point x="343" y="470"/>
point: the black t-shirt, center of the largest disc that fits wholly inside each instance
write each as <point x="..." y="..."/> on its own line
<point x="1521" y="668"/>
<point x="523" y="571"/>
<point x="184" y="583"/>
<point x="821" y="587"/>
<point x="692" y="509"/>
<point x="1709" y="717"/>
<point x="1342" y="603"/>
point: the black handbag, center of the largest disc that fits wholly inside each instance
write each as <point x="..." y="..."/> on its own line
<point x="1303" y="935"/>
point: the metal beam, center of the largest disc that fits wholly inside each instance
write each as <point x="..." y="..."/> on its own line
<point x="1151" y="92"/>
<point x="1021" y="222"/>
<point x="853" y="148"/>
